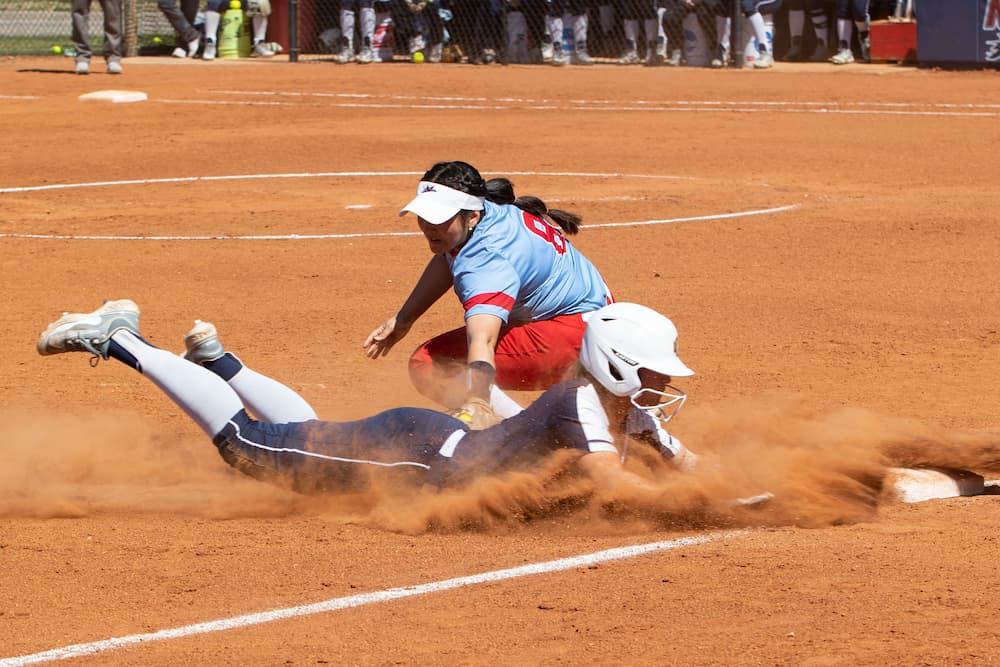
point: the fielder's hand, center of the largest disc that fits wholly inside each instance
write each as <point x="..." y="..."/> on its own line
<point x="478" y="414"/>
<point x="380" y="341"/>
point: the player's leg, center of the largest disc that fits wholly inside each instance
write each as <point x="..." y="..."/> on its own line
<point x="862" y="23"/>
<point x="845" y="27"/>
<point x="671" y="23"/>
<point x="754" y="10"/>
<point x="80" y="35"/>
<point x="819" y="17"/>
<point x="796" y="26"/>
<point x="259" y="10"/>
<point x="347" y="19"/>
<point x="187" y="34"/>
<point x="112" y="35"/>
<point x="268" y="399"/>
<point x="213" y="17"/>
<point x="554" y="23"/>
<point x="112" y="331"/>
<point x="581" y="27"/>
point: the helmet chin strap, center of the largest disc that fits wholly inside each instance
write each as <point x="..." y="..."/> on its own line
<point x="665" y="409"/>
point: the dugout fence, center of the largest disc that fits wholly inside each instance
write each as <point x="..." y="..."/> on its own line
<point x="476" y="31"/>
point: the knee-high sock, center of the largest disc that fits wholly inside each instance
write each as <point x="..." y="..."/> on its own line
<point x="796" y="23"/>
<point x="347" y="27"/>
<point x="820" y="26"/>
<point x="555" y="24"/>
<point x="652" y="29"/>
<point x="844" y="28"/>
<point x="759" y="31"/>
<point x="205" y="397"/>
<point x="367" y="26"/>
<point x="632" y="32"/>
<point x="259" y="28"/>
<point x="580" y="25"/>
<point x="723" y="24"/>
<point x="268" y="399"/>
<point x="212" y="20"/>
<point x="661" y="32"/>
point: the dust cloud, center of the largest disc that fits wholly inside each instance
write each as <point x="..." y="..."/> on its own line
<point x="820" y="468"/>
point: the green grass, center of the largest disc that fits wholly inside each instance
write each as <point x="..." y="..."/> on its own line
<point x="41" y="45"/>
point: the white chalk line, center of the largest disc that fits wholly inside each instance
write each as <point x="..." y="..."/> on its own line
<point x="531" y="100"/>
<point x="720" y="108"/>
<point x="437" y="103"/>
<point x="321" y="174"/>
<point x="334" y="604"/>
<point x="358" y="235"/>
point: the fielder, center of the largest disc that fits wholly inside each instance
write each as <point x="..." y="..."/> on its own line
<point x="524" y="287"/>
<point x="619" y="389"/>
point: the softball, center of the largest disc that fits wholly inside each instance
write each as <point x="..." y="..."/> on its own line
<point x="57" y="49"/>
<point x="418" y="57"/>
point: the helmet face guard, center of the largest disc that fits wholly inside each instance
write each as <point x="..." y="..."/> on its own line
<point x="665" y="409"/>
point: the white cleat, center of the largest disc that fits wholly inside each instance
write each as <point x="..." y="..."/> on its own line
<point x="89" y="332"/>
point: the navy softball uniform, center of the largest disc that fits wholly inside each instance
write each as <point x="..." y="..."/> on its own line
<point x="413" y="446"/>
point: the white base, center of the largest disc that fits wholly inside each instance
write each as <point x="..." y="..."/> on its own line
<point x="115" y="96"/>
<point x="915" y="485"/>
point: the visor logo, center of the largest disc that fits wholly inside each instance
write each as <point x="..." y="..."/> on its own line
<point x="428" y="188"/>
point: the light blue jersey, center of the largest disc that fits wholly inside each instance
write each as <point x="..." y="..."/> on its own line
<point x="520" y="268"/>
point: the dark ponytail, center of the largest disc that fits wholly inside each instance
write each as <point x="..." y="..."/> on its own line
<point x="501" y="191"/>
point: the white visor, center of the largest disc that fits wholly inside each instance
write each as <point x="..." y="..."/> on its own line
<point x="438" y="203"/>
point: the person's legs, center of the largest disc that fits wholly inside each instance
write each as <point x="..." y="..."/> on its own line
<point x="862" y="23"/>
<point x="112" y="33"/>
<point x="796" y="26"/>
<point x="347" y="19"/>
<point x="80" y="31"/>
<point x="754" y="10"/>
<point x="268" y="399"/>
<point x="189" y="39"/>
<point x="112" y="331"/>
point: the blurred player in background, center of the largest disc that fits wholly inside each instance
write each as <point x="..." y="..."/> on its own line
<point x="672" y="15"/>
<point x="188" y="38"/>
<point x="819" y="17"/>
<point x="257" y="10"/>
<point x="576" y="51"/>
<point x="851" y="14"/>
<point x="647" y="13"/>
<point x="620" y="390"/>
<point x="754" y="11"/>
<point x="112" y="10"/>
<point x="350" y="13"/>
<point x="524" y="287"/>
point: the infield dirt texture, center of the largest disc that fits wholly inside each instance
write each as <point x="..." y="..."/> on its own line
<point x="831" y="265"/>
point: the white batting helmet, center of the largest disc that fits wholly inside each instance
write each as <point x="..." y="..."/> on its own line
<point x="621" y="338"/>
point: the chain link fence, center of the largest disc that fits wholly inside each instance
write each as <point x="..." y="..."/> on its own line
<point x="474" y="31"/>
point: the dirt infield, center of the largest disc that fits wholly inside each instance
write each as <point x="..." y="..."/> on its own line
<point x="825" y="239"/>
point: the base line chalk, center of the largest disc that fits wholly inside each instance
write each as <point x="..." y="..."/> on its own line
<point x="368" y="235"/>
<point x="584" y="560"/>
